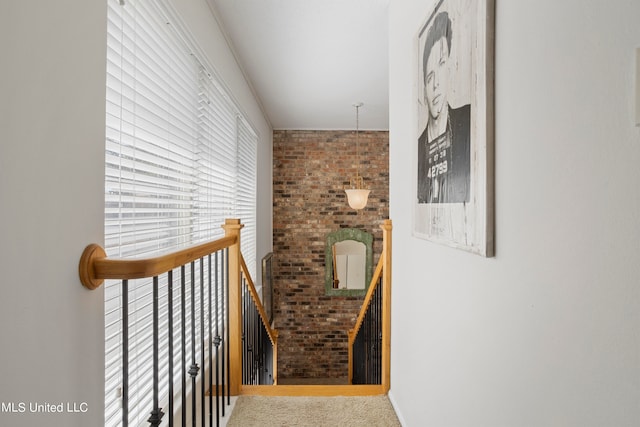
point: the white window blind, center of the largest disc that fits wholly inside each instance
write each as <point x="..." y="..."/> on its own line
<point x="180" y="158"/>
<point x="246" y="193"/>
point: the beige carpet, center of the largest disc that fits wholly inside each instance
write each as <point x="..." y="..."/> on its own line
<point x="360" y="411"/>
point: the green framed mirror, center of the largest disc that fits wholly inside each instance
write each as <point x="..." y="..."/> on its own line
<point x="348" y="262"/>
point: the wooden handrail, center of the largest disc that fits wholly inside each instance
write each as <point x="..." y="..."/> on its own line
<point x="381" y="277"/>
<point x="385" y="258"/>
<point x="273" y="334"/>
<point x="95" y="266"/>
<point x="367" y="299"/>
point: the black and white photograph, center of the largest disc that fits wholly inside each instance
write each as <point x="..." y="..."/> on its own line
<point x="453" y="179"/>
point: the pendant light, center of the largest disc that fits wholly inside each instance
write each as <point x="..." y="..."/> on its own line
<point x="357" y="195"/>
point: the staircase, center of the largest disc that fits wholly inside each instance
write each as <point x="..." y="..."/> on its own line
<point x="213" y="340"/>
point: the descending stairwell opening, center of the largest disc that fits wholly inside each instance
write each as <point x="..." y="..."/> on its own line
<point x="309" y="203"/>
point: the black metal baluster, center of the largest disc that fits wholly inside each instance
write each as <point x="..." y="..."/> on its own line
<point x="372" y="343"/>
<point x="210" y="340"/>
<point x="270" y="363"/>
<point x="248" y="334"/>
<point x="263" y="356"/>
<point x="223" y="308"/>
<point x="244" y="338"/>
<point x="260" y="353"/>
<point x="183" y="348"/>
<point x="226" y="329"/>
<point x="202" y="380"/>
<point x="271" y="374"/>
<point x="365" y="351"/>
<point x="262" y="342"/>
<point x="125" y="353"/>
<point x="379" y="336"/>
<point x="170" y="343"/>
<point x="251" y="330"/>
<point x="358" y="356"/>
<point x="376" y="347"/>
<point x="218" y="340"/>
<point x="250" y="327"/>
<point x="156" y="414"/>
<point x="223" y="315"/>
<point x="268" y="359"/>
<point x="367" y="340"/>
<point x="256" y="338"/>
<point x="256" y="343"/>
<point x="223" y="325"/>
<point x="256" y="351"/>
<point x="261" y="360"/>
<point x="372" y="309"/>
<point x="193" y="369"/>
<point x="372" y="337"/>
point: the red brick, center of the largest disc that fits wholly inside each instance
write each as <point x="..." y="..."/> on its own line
<point x="310" y="172"/>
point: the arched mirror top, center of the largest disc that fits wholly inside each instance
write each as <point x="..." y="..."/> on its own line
<point x="348" y="262"/>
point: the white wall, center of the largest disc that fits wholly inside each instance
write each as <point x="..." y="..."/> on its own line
<point x="547" y="333"/>
<point x="52" y="94"/>
<point x="51" y="207"/>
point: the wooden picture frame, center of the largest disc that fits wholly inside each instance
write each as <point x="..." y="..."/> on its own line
<point x="453" y="163"/>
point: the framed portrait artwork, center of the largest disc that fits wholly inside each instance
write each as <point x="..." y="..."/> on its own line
<point x="454" y="137"/>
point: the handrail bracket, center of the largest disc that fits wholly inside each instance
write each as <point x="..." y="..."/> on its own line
<point x="86" y="268"/>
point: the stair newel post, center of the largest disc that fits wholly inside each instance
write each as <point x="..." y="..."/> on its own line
<point x="232" y="227"/>
<point x="386" y="305"/>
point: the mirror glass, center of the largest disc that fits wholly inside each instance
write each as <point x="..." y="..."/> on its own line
<point x="348" y="259"/>
<point x="349" y="264"/>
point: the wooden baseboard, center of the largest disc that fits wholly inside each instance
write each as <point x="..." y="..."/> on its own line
<point x="312" y="390"/>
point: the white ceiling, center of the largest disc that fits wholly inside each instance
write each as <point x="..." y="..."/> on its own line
<point x="309" y="61"/>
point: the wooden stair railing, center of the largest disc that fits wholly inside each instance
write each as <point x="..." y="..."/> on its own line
<point x="95" y="267"/>
<point x="377" y="301"/>
<point x="273" y="334"/>
<point x="381" y="282"/>
<point x="263" y="327"/>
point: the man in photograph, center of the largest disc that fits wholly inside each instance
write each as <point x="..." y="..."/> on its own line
<point x="444" y="145"/>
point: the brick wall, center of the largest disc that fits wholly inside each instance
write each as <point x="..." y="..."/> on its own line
<point x="311" y="170"/>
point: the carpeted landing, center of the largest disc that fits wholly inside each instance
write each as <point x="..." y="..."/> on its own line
<point x="351" y="411"/>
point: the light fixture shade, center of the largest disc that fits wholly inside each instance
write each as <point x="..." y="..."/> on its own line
<point x="357" y="198"/>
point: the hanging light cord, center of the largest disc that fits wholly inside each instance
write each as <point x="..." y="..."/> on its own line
<point x="357" y="146"/>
